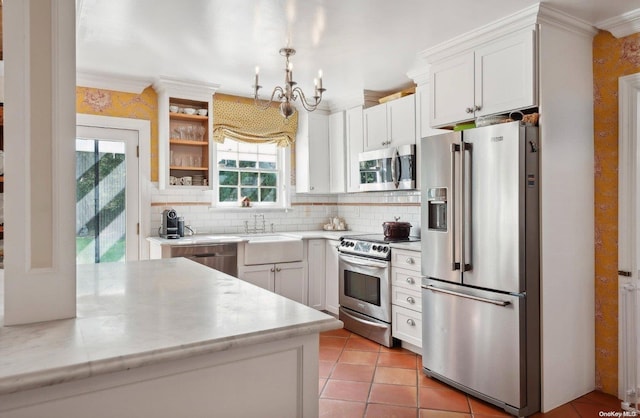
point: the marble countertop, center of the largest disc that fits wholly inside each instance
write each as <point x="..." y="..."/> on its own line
<point x="411" y="246"/>
<point x="230" y="238"/>
<point x="146" y="312"/>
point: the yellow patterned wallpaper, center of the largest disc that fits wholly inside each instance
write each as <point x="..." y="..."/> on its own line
<point x="612" y="58"/>
<point x="124" y="105"/>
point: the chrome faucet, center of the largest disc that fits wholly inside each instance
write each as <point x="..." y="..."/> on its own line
<point x="256" y="228"/>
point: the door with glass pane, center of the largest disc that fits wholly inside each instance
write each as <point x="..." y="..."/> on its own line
<point x="107" y="212"/>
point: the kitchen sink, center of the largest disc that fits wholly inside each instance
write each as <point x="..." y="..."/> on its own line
<point x="272" y="248"/>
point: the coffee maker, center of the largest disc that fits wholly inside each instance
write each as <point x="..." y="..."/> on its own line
<point x="169" y="228"/>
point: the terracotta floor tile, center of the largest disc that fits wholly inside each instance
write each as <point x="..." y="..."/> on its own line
<point x="346" y="391"/>
<point x="353" y="372"/>
<point x="480" y="408"/>
<point x="611" y="402"/>
<point x="588" y="409"/>
<point x="375" y="410"/>
<point x="563" y="411"/>
<point x="321" y="383"/>
<point x="358" y="357"/>
<point x="443" y="399"/>
<point x="325" y="368"/>
<point x="329" y="353"/>
<point x="336" y="333"/>
<point x="395" y="376"/>
<point x="399" y="350"/>
<point x="428" y="382"/>
<point x="402" y="360"/>
<point x="434" y="413"/>
<point x="362" y="344"/>
<point x="393" y="395"/>
<point x="334" y="342"/>
<point x="332" y="408"/>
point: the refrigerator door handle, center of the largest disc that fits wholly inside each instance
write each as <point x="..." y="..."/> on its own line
<point x="463" y="208"/>
<point x="454" y="148"/>
<point x="464" y="295"/>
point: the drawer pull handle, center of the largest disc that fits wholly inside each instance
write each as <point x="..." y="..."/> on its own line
<point x="410" y="260"/>
<point x="411" y="300"/>
<point x="410" y="280"/>
<point x="411" y="322"/>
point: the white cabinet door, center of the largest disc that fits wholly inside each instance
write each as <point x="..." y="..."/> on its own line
<point x="331" y="271"/>
<point x="505" y="74"/>
<point x="337" y="159"/>
<point x="291" y="281"/>
<point x="354" y="146"/>
<point x="375" y="127"/>
<point x="452" y="84"/>
<point x="312" y="153"/>
<point x="261" y="275"/>
<point x="316" y="272"/>
<point x="401" y="118"/>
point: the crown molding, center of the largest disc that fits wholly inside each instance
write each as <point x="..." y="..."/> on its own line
<point x="188" y="89"/>
<point x="562" y="20"/>
<point x="623" y="25"/>
<point x="419" y="75"/>
<point x="105" y="81"/>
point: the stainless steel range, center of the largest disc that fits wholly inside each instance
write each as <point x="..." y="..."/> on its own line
<point x="365" y="285"/>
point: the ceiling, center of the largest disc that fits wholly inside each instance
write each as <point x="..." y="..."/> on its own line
<point x="359" y="44"/>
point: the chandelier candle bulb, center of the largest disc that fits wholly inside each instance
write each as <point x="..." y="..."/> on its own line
<point x="319" y="79"/>
<point x="257" y="73"/>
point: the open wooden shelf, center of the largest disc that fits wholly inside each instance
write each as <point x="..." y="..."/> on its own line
<point x="188" y="142"/>
<point x="184" y="116"/>
<point x="179" y="167"/>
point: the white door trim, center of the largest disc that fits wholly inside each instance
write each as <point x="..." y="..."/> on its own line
<point x="144" y="165"/>
<point x="628" y="208"/>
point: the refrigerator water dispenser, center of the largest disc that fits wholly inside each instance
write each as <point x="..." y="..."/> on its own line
<point x="437" y="208"/>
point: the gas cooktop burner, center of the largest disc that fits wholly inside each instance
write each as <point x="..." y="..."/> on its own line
<point x="370" y="246"/>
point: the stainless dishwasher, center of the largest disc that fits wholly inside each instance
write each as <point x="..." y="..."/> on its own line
<point x="221" y="257"/>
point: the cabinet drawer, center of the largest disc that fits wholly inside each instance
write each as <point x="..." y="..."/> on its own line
<point x="405" y="278"/>
<point x="410" y="299"/>
<point x="407" y="325"/>
<point x="409" y="260"/>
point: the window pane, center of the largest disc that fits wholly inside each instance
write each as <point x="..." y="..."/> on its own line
<point x="247" y="147"/>
<point x="268" y="194"/>
<point x="249" y="179"/>
<point x="270" y="149"/>
<point x="250" y="192"/>
<point x="228" y="178"/>
<point x="224" y="161"/>
<point x="268" y="179"/>
<point x="228" y="194"/>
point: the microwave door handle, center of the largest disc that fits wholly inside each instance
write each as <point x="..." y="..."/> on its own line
<point x="395" y="167"/>
<point x="454" y="264"/>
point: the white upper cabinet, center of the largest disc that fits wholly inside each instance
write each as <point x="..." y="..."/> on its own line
<point x="354" y="146"/>
<point x="337" y="161"/>
<point x="312" y="153"/>
<point x="390" y="124"/>
<point x="495" y="77"/>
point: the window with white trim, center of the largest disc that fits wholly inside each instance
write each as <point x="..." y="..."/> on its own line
<point x="255" y="171"/>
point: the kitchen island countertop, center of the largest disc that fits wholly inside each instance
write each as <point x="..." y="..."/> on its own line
<point x="147" y="312"/>
<point x="236" y="238"/>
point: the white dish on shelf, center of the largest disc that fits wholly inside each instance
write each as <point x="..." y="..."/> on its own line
<point x="202" y="112"/>
<point x="189" y="111"/>
<point x="174" y="109"/>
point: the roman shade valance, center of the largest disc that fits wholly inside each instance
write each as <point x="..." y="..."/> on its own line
<point x="238" y="118"/>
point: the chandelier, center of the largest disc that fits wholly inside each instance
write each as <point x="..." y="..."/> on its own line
<point x="289" y="93"/>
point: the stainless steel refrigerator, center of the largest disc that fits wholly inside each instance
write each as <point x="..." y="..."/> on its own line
<point x="480" y="264"/>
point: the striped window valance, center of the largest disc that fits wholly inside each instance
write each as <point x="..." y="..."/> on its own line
<point x="238" y="118"/>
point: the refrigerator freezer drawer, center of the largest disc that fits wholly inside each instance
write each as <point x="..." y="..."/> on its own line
<point x="474" y="337"/>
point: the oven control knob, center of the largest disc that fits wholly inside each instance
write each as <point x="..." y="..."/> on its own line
<point x="386" y="249"/>
<point x="352" y="244"/>
<point x="375" y="248"/>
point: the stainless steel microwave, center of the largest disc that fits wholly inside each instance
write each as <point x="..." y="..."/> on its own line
<point x="388" y="169"/>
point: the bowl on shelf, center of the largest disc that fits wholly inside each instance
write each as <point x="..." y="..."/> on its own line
<point x="189" y="111"/>
<point x="174" y="109"/>
<point x="202" y="112"/>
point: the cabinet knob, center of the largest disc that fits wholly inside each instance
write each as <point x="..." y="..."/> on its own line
<point x="278" y="269"/>
<point x="411" y="322"/>
<point x="411" y="300"/>
<point x="476" y="108"/>
<point x="469" y="110"/>
<point x="410" y="280"/>
<point x="273" y="269"/>
<point x="311" y="188"/>
<point x="410" y="260"/>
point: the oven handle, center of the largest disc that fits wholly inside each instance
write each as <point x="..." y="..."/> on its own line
<point x="362" y="321"/>
<point x="368" y="263"/>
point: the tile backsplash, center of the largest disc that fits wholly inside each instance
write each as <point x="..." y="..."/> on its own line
<point x="363" y="212"/>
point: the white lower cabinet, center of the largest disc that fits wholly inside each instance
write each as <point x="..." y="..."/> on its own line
<point x="285" y="279"/>
<point x="331" y="272"/>
<point x="406" y="297"/>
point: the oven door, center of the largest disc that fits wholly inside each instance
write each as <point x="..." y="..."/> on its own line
<point x="365" y="286"/>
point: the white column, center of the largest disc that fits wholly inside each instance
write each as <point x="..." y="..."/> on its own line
<point x="39" y="54"/>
